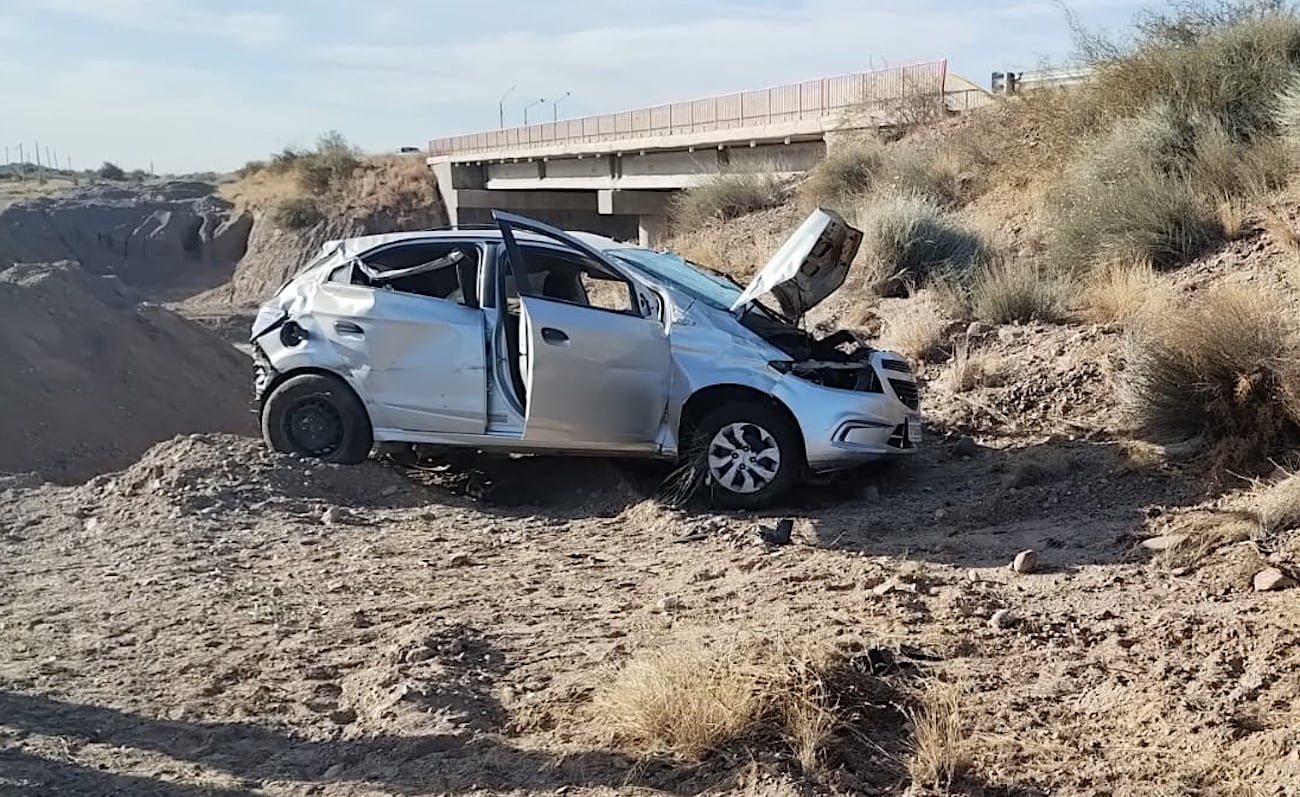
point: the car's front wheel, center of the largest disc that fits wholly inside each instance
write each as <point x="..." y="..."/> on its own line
<point x="318" y="416"/>
<point x="751" y="453"/>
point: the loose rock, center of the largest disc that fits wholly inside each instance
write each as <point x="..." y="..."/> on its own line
<point x="1272" y="580"/>
<point x="1025" y="562"/>
<point x="668" y="603"/>
<point x="1003" y="619"/>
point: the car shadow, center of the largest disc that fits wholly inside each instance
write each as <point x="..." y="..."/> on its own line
<point x="1076" y="502"/>
<point x="442" y="763"/>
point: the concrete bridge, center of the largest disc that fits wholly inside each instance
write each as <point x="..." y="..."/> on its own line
<point x="616" y="173"/>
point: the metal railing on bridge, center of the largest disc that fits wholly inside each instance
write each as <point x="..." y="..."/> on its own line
<point x="882" y="89"/>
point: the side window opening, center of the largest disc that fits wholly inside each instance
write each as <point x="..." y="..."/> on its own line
<point x="574" y="279"/>
<point x="447" y="271"/>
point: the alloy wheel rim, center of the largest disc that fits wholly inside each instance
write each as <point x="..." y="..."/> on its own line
<point x="744" y="458"/>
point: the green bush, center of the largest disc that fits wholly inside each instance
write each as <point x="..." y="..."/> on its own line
<point x="726" y="196"/>
<point x="298" y="213"/>
<point x="909" y="241"/>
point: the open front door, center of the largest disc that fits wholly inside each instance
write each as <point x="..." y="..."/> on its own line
<point x="593" y="376"/>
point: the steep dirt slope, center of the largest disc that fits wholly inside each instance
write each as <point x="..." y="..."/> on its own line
<point x="168" y="236"/>
<point x="92" y="378"/>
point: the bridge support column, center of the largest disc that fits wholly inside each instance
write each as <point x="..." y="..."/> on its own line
<point x="650" y="208"/>
<point x="651" y="230"/>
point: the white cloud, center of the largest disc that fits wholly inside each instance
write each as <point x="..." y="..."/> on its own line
<point x="176" y="16"/>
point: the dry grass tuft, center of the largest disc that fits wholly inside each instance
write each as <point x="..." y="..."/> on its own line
<point x="916" y="328"/>
<point x="909" y="241"/>
<point x="1038" y="467"/>
<point x="687" y="700"/>
<point x="1278" y="507"/>
<point x="1280" y="229"/>
<point x="1203" y="533"/>
<point x="695" y="699"/>
<point x="726" y="196"/>
<point x="973" y="369"/>
<point x="1116" y="291"/>
<point x="1233" y="214"/>
<point x="849" y="170"/>
<point x="1020" y="290"/>
<point x="1223" y="366"/>
<point x="941" y="745"/>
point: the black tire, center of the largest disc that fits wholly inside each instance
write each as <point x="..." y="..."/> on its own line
<point x="318" y="416"/>
<point x="752" y="482"/>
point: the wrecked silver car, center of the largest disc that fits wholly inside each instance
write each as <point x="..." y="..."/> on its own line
<point x="528" y="339"/>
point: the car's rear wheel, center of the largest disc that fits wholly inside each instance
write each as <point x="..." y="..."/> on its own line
<point x="318" y="416"/>
<point x="751" y="453"/>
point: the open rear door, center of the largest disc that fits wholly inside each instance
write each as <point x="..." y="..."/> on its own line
<point x="594" y="377"/>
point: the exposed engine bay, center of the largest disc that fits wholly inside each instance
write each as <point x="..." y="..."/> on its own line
<point x="840" y="360"/>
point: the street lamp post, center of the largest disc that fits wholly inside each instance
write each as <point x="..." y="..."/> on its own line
<point x="555" y="107"/>
<point x="531" y="105"/>
<point x="501" y="106"/>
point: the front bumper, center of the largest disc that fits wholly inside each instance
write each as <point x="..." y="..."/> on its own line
<point x="843" y="428"/>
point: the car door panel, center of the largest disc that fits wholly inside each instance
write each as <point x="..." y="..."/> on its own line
<point x="593" y="377"/>
<point x="420" y="359"/>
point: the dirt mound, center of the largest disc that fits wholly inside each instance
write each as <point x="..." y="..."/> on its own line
<point x="166" y="235"/>
<point x="203" y="474"/>
<point x="382" y="195"/>
<point x="92" y="378"/>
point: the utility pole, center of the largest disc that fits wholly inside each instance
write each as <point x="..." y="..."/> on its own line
<point x="501" y="106"/>
<point x="40" y="173"/>
<point x="22" y="164"/>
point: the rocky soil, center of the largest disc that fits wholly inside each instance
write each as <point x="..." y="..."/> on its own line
<point x="213" y="619"/>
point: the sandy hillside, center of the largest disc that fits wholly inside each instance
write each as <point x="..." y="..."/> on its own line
<point x="93" y="377"/>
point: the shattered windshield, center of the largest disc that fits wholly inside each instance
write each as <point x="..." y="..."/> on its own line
<point x="713" y="289"/>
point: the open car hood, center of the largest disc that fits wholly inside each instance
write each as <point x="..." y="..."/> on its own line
<point x="811" y="265"/>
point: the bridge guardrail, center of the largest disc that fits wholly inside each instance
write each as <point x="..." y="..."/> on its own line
<point x="791" y="102"/>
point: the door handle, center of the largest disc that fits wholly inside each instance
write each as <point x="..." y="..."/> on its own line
<point x="553" y="336"/>
<point x="348" y="328"/>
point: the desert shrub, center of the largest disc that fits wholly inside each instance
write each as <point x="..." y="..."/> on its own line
<point x="908" y="241"/>
<point x="111" y="171"/>
<point x="1286" y="113"/>
<point x="1221" y="168"/>
<point x="868" y="165"/>
<point x="250" y="168"/>
<point x="1019" y="290"/>
<point x="296" y="213"/>
<point x="1144" y="215"/>
<point x="1222" y="366"/>
<point x="1223" y="61"/>
<point x="726" y="196"/>
<point x="316" y="170"/>
<point x="847" y="172"/>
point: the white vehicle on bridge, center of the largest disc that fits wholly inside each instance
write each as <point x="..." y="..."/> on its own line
<point x="528" y="339"/>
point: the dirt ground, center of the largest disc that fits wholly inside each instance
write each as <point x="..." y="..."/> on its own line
<point x="216" y="620"/>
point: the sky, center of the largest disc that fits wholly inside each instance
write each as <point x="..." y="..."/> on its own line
<point x="196" y="85"/>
